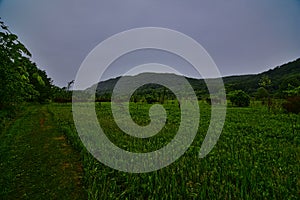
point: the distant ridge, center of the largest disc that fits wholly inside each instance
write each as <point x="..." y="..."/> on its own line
<point x="281" y="77"/>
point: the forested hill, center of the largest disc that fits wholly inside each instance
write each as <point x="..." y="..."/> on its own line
<point x="282" y="78"/>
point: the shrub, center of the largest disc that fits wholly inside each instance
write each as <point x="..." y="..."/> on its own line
<point x="239" y="98"/>
<point x="262" y="93"/>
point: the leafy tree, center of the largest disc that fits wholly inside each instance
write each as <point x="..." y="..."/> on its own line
<point x="20" y="79"/>
<point x="262" y="94"/>
<point x="14" y="75"/>
<point x="265" y="82"/>
<point x="239" y="98"/>
<point x="290" y="82"/>
<point x="150" y="98"/>
<point x="292" y="91"/>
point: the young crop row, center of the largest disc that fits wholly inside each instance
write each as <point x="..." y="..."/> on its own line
<point x="257" y="156"/>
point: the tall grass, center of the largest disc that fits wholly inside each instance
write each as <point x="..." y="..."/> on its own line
<point x="256" y="157"/>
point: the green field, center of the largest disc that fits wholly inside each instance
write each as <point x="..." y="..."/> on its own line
<point x="256" y="157"/>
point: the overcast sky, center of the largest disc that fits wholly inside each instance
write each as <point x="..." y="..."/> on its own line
<point x="242" y="36"/>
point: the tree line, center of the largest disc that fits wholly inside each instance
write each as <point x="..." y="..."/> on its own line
<point x="21" y="79"/>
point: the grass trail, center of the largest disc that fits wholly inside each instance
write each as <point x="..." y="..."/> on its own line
<point x="35" y="160"/>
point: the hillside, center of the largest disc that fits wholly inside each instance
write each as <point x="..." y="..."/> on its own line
<point x="281" y="77"/>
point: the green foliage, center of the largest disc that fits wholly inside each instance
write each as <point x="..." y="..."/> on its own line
<point x="239" y="98"/>
<point x="293" y="91"/>
<point x="262" y="93"/>
<point x="20" y="78"/>
<point x="290" y="82"/>
<point x="14" y="77"/>
<point x="265" y="81"/>
<point x="61" y="95"/>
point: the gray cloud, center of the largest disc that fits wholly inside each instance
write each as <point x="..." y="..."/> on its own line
<point x="241" y="36"/>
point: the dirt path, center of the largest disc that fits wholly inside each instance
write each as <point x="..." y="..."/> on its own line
<point x="36" y="162"/>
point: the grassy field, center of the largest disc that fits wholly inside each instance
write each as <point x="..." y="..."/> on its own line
<point x="256" y="157"/>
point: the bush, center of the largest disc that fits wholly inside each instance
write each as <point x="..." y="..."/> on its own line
<point x="262" y="94"/>
<point x="239" y="98"/>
